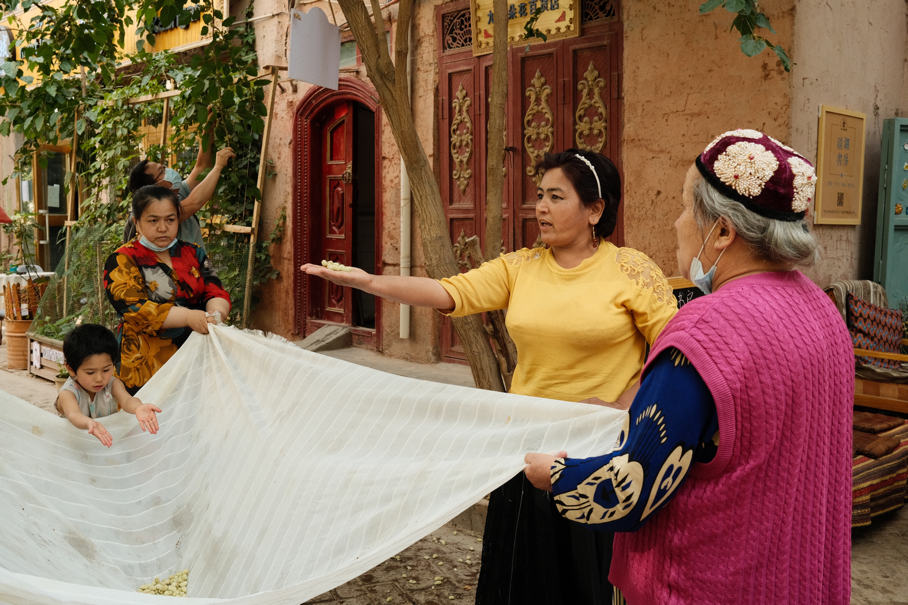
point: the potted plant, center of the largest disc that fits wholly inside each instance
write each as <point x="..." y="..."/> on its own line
<point x="16" y="296"/>
<point x="61" y="377"/>
<point x="21" y="230"/>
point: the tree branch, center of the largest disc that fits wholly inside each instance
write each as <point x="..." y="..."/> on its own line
<point x="402" y="48"/>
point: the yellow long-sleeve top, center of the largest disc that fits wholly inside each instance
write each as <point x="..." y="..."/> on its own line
<point x="579" y="332"/>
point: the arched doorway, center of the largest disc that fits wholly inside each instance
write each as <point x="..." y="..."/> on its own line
<point x="337" y="202"/>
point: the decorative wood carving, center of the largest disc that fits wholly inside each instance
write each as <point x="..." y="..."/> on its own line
<point x="594" y="10"/>
<point x="335" y="300"/>
<point x="538" y="124"/>
<point x="461" y="138"/>
<point x="591" y="117"/>
<point x="456" y="32"/>
<point x="336" y="210"/>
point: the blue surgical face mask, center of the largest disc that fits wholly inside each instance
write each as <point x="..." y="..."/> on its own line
<point x="147" y="243"/>
<point x="702" y="280"/>
<point x="173" y="177"/>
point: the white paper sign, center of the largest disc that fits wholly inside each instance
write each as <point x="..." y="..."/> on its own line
<point x="36" y="355"/>
<point x="314" y="48"/>
<point x="53" y="196"/>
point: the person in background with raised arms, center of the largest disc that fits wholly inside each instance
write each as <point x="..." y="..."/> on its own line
<point x="731" y="481"/>
<point x="193" y="192"/>
<point x="581" y="312"/>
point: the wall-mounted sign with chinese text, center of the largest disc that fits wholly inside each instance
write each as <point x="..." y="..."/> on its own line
<point x="840" y="167"/>
<point x="557" y="19"/>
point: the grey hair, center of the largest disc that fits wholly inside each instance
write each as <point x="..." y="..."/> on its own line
<point x="787" y="242"/>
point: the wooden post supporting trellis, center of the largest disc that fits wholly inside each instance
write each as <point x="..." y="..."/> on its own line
<point x="257" y="207"/>
<point x="70" y="208"/>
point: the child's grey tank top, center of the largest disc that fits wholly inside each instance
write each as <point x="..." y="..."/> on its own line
<point x="103" y="404"/>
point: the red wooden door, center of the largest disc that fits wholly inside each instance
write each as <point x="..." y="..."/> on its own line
<point x="561" y="94"/>
<point x="336" y="220"/>
<point x="463" y="112"/>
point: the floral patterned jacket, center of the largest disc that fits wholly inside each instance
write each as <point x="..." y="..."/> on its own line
<point x="143" y="290"/>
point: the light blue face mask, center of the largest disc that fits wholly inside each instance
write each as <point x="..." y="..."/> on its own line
<point x="147" y="243"/>
<point x="173" y="177"/>
<point x="702" y="280"/>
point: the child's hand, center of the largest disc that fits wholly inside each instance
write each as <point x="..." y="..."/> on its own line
<point x="97" y="429"/>
<point x="145" y="414"/>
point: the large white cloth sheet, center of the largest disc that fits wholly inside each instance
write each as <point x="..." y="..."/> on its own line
<point x="277" y="474"/>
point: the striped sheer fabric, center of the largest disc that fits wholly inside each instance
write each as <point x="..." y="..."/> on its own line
<point x="277" y="474"/>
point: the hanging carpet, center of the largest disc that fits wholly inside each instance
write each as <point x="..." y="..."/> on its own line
<point x="277" y="475"/>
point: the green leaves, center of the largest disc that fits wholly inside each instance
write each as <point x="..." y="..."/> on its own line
<point x="710" y="5"/>
<point x="748" y="21"/>
<point x="738" y="6"/>
<point x="218" y="81"/>
<point x="751" y="46"/>
<point x="783" y="57"/>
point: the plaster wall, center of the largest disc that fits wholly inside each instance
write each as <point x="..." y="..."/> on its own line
<point x="849" y="54"/>
<point x="422" y="343"/>
<point x="275" y="309"/>
<point x="272" y="303"/>
<point x="686" y="81"/>
<point x="8" y="193"/>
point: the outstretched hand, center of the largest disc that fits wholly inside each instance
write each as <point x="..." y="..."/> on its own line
<point x="145" y="415"/>
<point x="97" y="429"/>
<point x="538" y="469"/>
<point x="353" y="277"/>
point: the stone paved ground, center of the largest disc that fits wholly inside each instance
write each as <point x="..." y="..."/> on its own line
<point x="440" y="569"/>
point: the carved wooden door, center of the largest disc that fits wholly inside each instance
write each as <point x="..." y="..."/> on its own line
<point x="568" y="99"/>
<point x="336" y="220"/>
<point x="462" y="110"/>
<point x="561" y="94"/>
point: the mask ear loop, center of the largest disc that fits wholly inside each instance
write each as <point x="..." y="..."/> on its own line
<point x="706" y="239"/>
<point x="703" y="245"/>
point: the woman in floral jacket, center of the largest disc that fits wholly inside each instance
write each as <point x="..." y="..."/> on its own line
<point x="162" y="288"/>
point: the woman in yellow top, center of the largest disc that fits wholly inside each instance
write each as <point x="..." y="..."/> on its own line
<point x="581" y="312"/>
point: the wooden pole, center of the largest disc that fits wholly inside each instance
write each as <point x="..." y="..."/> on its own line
<point x="165" y="122"/>
<point x="70" y="207"/>
<point x="257" y="208"/>
<point x="71" y="197"/>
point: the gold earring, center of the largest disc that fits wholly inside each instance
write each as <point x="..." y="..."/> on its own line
<point x="595" y="239"/>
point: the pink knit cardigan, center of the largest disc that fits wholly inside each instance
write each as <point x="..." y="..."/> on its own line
<point x="768" y="520"/>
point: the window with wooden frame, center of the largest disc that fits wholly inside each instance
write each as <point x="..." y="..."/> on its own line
<point x="48" y="189"/>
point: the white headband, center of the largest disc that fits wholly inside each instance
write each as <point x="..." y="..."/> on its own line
<point x="593" y="170"/>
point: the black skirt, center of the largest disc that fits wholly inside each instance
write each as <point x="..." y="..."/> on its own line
<point x="532" y="555"/>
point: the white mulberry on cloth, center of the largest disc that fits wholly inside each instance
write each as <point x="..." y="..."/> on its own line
<point x="277" y="474"/>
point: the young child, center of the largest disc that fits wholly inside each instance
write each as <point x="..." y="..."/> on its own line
<point x="92" y="390"/>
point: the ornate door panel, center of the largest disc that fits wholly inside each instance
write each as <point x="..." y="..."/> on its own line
<point x="460" y="168"/>
<point x="591" y="117"/>
<point x="336" y="220"/>
<point x="461" y="155"/>
<point x="534" y="103"/>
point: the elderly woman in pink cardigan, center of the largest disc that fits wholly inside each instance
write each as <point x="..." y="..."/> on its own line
<point x="731" y="481"/>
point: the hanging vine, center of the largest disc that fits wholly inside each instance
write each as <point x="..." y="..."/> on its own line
<point x="69" y="74"/>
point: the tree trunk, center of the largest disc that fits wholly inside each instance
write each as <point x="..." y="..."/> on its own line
<point x="496" y="130"/>
<point x="391" y="83"/>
